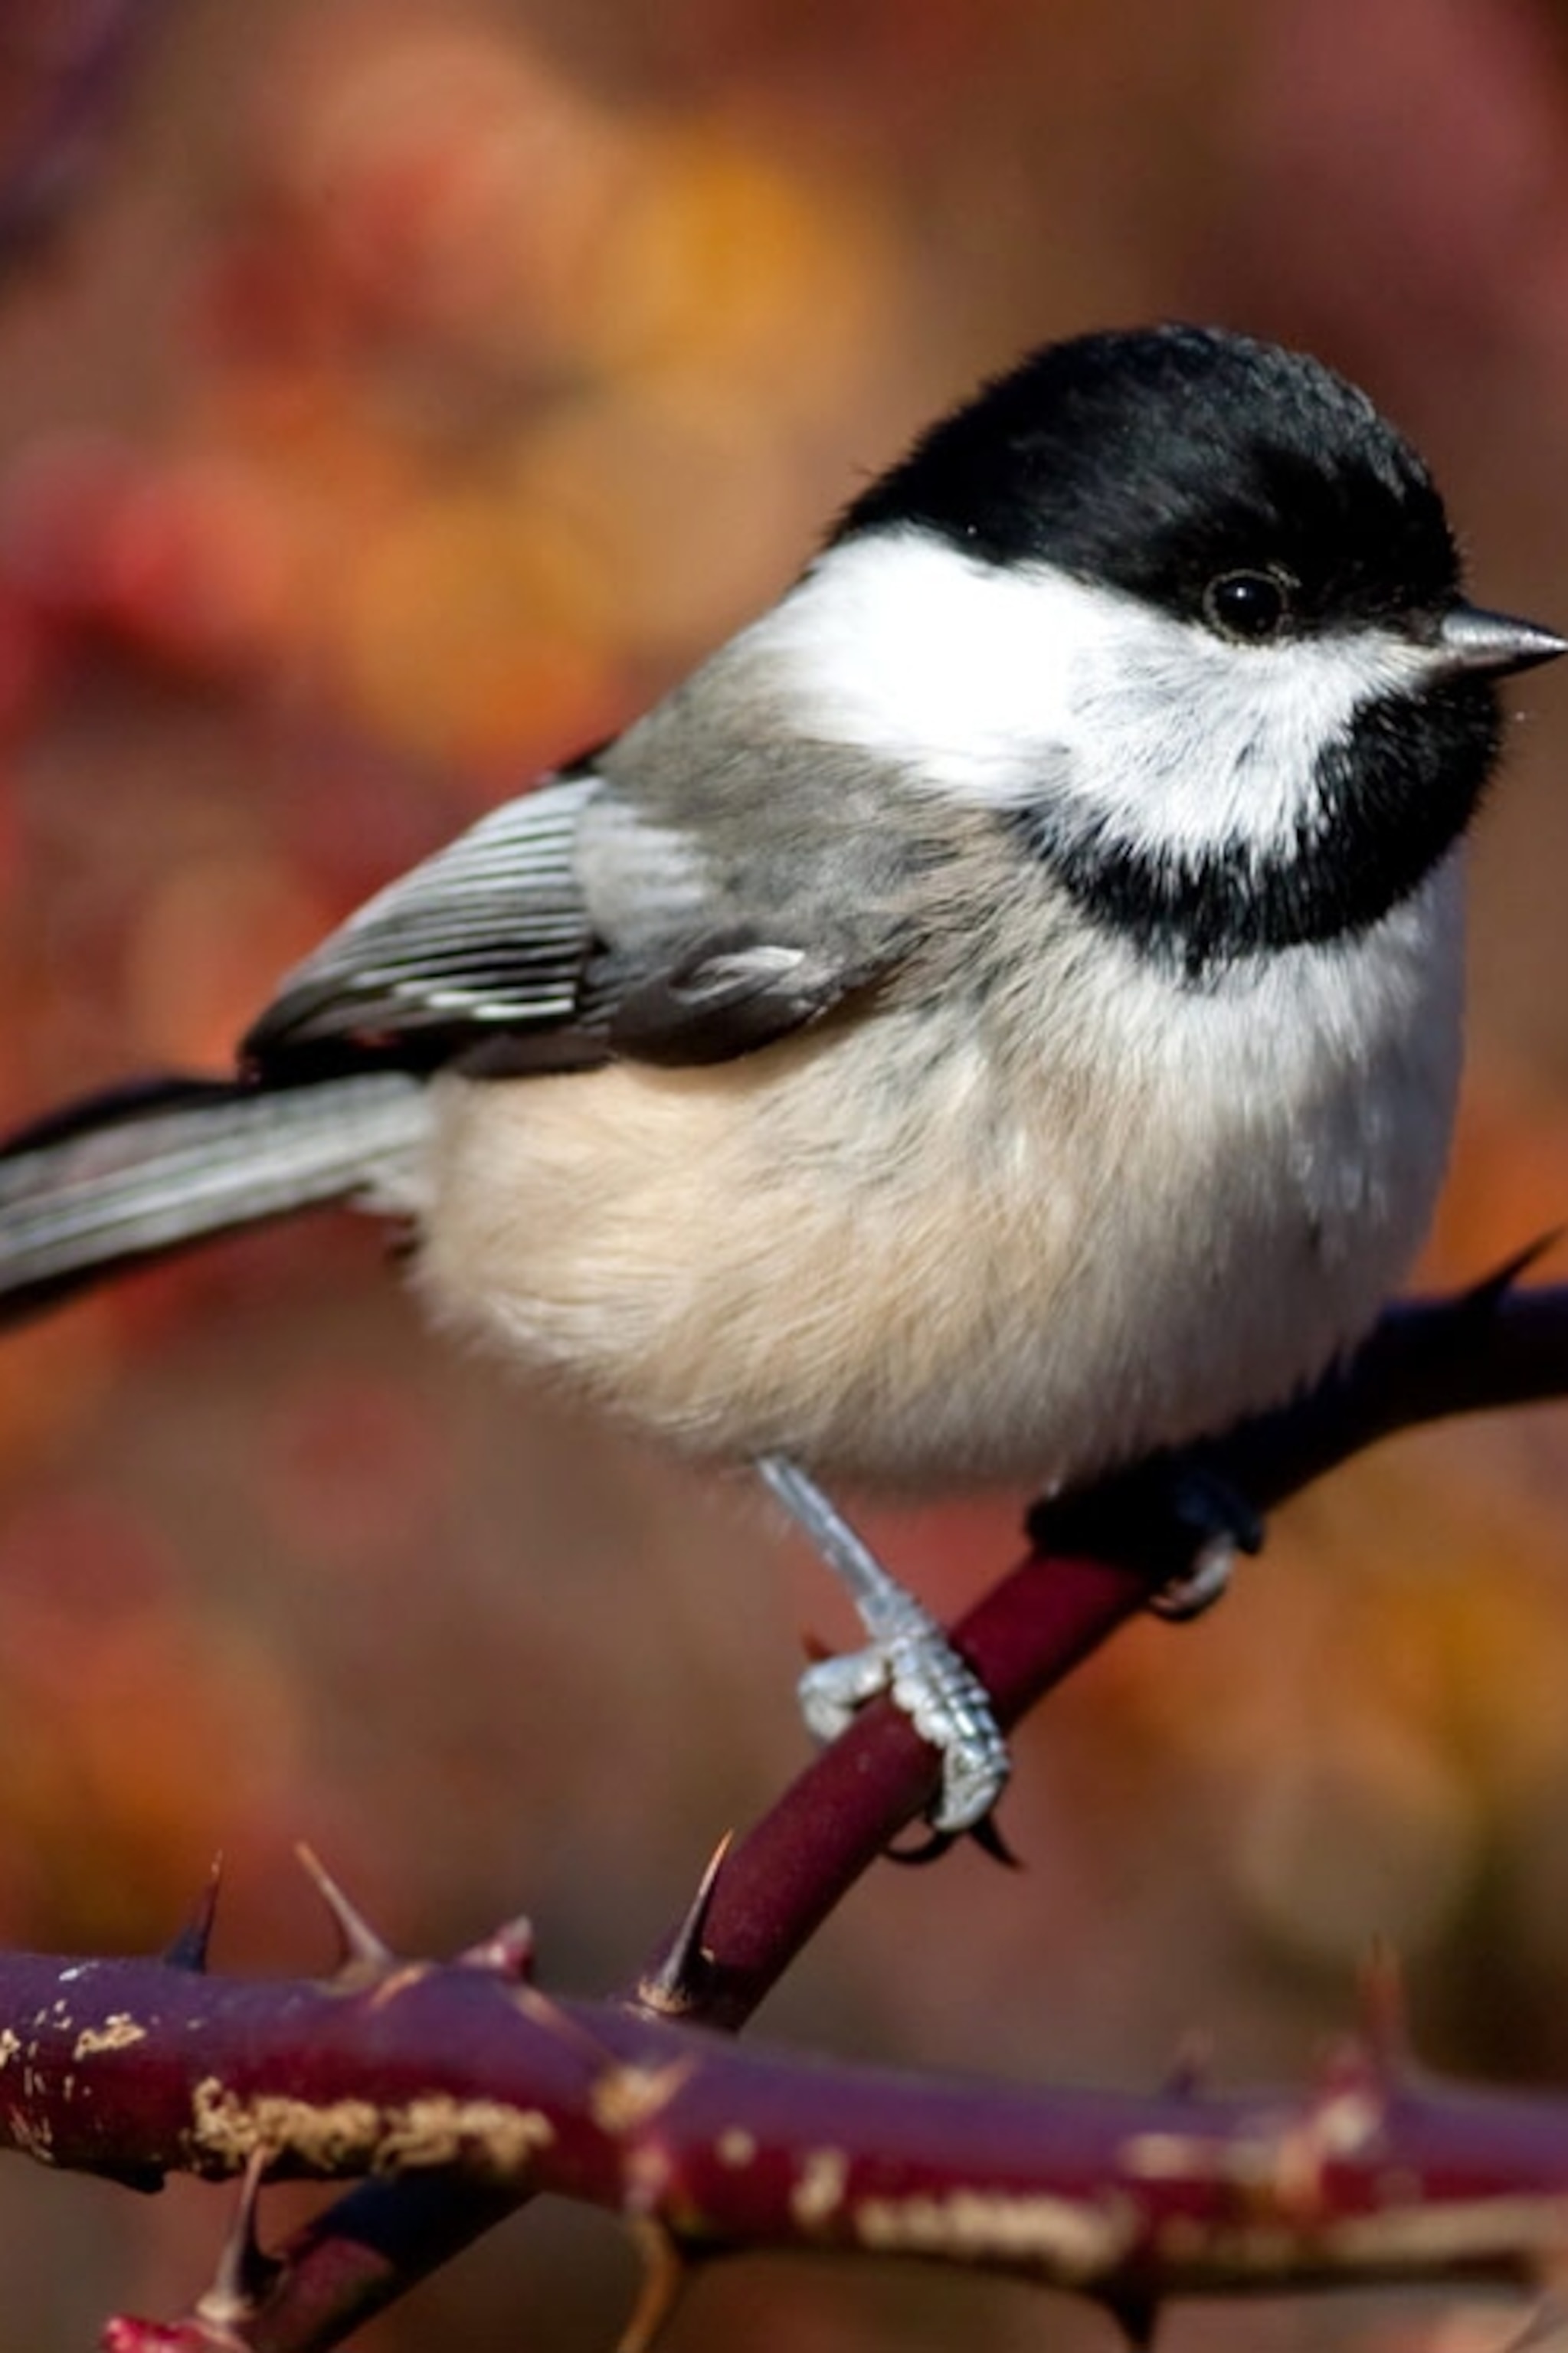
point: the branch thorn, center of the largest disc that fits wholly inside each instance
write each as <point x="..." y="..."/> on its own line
<point x="679" y="1976"/>
<point x="1136" y="2314"/>
<point x="664" y="2270"/>
<point x="190" y="1949"/>
<point x="245" y="2274"/>
<point x="362" y="1948"/>
<point x="1485" y="1297"/>
<point x="507" y="1952"/>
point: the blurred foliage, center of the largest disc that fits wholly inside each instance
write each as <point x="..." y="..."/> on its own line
<point x="394" y="395"/>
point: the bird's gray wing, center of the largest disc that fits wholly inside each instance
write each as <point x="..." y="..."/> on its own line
<point x="721" y="995"/>
<point x="494" y="955"/>
<point x="489" y="937"/>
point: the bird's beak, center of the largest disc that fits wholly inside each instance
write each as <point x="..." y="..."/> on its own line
<point x="1471" y="641"/>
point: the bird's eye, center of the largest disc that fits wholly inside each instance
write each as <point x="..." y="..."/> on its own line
<point x="1249" y="606"/>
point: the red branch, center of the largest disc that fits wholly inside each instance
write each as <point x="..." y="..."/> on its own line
<point x="1491" y="1347"/>
<point x="406" y="2069"/>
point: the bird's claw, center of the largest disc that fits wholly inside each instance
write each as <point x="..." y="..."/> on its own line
<point x="1222" y="1524"/>
<point x="919" y="1669"/>
<point x="1181" y="1522"/>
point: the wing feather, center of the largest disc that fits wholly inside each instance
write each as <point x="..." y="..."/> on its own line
<point x="497" y="955"/>
<point x="490" y="934"/>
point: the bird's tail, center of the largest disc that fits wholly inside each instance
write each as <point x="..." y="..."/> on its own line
<point x="151" y="1168"/>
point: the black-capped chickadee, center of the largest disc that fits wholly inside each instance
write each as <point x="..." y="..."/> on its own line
<point x="998" y="1017"/>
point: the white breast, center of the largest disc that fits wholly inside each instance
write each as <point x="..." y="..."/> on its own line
<point x="1017" y="1252"/>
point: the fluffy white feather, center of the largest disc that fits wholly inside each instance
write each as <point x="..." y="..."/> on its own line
<point x="979" y="679"/>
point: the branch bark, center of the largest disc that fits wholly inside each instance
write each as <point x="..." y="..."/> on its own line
<point x="411" y="2069"/>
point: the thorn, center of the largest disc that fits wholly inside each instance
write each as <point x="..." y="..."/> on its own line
<point x="507" y="1952"/>
<point x="245" y="2274"/>
<point x="678" y="1978"/>
<point x="1485" y="1297"/>
<point x="361" y="1946"/>
<point x="664" y="2271"/>
<point x="1137" y="2315"/>
<point x="188" y="1950"/>
<point x="1386" y="2026"/>
<point x="1191" y="2068"/>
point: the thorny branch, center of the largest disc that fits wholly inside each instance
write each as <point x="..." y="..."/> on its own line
<point x="1090" y="1569"/>
<point x="1371" y="2176"/>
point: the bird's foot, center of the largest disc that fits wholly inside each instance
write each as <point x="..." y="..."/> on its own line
<point x="1179" y="1520"/>
<point x="924" y="1676"/>
<point x="1220" y="1524"/>
<point x="908" y="1658"/>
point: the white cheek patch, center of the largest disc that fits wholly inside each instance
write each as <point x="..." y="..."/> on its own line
<point x="899" y="644"/>
<point x="1193" y="743"/>
<point x="1003" y="685"/>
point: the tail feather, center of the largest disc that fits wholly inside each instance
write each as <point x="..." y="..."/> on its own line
<point x="149" y="1170"/>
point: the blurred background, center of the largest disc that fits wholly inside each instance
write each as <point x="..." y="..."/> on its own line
<point x="394" y="395"/>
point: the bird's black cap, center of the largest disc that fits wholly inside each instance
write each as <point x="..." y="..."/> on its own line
<point x="1154" y="459"/>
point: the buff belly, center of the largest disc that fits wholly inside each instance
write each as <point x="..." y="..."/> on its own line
<point x="919" y="1262"/>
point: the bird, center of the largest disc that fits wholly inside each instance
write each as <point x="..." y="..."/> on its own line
<point x="997" y="1018"/>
